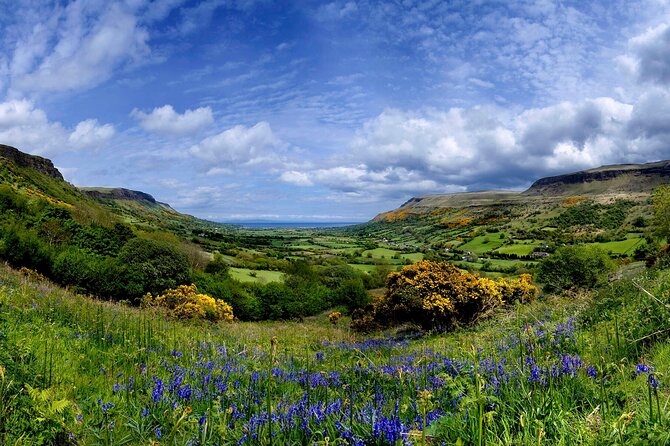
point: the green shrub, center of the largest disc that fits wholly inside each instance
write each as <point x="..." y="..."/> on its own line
<point x="575" y="267"/>
<point x="20" y="247"/>
<point x="157" y="266"/>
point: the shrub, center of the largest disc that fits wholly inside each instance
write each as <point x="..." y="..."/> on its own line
<point x="661" y="206"/>
<point x="352" y="293"/>
<point x="575" y="267"/>
<point x="184" y="302"/>
<point x="157" y="266"/>
<point x="439" y="295"/>
<point x="217" y="266"/>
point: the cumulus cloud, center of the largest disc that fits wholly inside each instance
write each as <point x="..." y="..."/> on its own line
<point x="651" y="55"/>
<point x="240" y="146"/>
<point x="166" y="120"/>
<point x="89" y="134"/>
<point x="401" y="153"/>
<point x="79" y="47"/>
<point x="28" y="128"/>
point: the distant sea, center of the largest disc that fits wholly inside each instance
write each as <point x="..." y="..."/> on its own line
<point x="289" y="225"/>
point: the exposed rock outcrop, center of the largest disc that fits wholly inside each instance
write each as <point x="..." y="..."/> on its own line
<point x="35" y="162"/>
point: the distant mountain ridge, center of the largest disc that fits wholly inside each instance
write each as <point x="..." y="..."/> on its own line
<point x="613" y="178"/>
<point x="117" y="193"/>
<point x="634" y="181"/>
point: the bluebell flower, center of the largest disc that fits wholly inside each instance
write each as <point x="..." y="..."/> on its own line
<point x="643" y="368"/>
<point x="591" y="371"/>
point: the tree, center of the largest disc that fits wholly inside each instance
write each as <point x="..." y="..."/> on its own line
<point x="218" y="265"/>
<point x="575" y="267"/>
<point x="661" y="205"/>
<point x="157" y="265"/>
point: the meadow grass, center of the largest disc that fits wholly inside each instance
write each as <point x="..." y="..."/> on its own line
<point x="626" y="246"/>
<point x="82" y="371"/>
<point x="483" y="243"/>
<point x="257" y="276"/>
<point x="520" y="249"/>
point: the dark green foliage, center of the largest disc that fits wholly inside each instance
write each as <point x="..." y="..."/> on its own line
<point x="218" y="266"/>
<point x="661" y="207"/>
<point x="575" y="267"/>
<point x="377" y="277"/>
<point x="609" y="216"/>
<point x="21" y="247"/>
<point x="246" y="306"/>
<point x="352" y="293"/>
<point x="156" y="266"/>
<point x="10" y="200"/>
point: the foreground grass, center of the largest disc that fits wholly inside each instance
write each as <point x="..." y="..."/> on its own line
<point x="78" y="371"/>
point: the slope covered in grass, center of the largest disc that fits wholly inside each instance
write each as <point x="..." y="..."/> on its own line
<point x="578" y="369"/>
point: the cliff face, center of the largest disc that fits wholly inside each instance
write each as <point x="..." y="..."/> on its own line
<point x="622" y="178"/>
<point x="119" y="194"/>
<point x="37" y="163"/>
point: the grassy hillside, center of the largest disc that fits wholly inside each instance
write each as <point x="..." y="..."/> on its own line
<point x="575" y="369"/>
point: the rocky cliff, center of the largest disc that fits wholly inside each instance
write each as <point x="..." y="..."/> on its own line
<point x="615" y="178"/>
<point x="37" y="163"/>
<point x="118" y="194"/>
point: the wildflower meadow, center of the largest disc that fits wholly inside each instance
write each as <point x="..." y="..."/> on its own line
<point x="100" y="373"/>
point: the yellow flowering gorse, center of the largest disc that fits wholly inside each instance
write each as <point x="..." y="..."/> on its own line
<point x="440" y="293"/>
<point x="184" y="302"/>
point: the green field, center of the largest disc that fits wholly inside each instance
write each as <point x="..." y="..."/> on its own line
<point x="361" y="267"/>
<point x="519" y="248"/>
<point x="626" y="246"/>
<point x="388" y="254"/>
<point x="259" y="276"/>
<point x="483" y="243"/>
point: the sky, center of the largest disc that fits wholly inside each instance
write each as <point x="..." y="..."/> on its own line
<point x="246" y="110"/>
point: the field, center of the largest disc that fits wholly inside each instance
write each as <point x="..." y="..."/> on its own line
<point x="522" y="248"/>
<point x="545" y="373"/>
<point x="483" y="243"/>
<point x="259" y="276"/>
<point x="626" y="246"/>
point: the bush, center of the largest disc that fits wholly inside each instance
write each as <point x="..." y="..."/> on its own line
<point x="184" y="302"/>
<point x="217" y="266"/>
<point x="156" y="266"/>
<point x="245" y="305"/>
<point x="24" y="248"/>
<point x="439" y="295"/>
<point x="575" y="267"/>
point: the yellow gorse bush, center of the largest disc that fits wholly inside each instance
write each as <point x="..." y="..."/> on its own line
<point x="438" y="293"/>
<point x="184" y="302"/>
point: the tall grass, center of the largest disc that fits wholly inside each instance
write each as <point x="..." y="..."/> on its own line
<point x="102" y="373"/>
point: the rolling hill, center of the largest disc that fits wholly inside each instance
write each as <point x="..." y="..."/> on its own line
<point x="602" y="184"/>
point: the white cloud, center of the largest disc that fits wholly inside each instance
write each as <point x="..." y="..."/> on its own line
<point x="89" y="134"/>
<point x="166" y="121"/>
<point x="297" y="178"/>
<point x="241" y="145"/>
<point x="79" y="47"/>
<point x="651" y="55"/>
<point x="28" y="128"/>
<point x="402" y="153"/>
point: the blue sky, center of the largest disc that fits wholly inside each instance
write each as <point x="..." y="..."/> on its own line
<point x="331" y="111"/>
